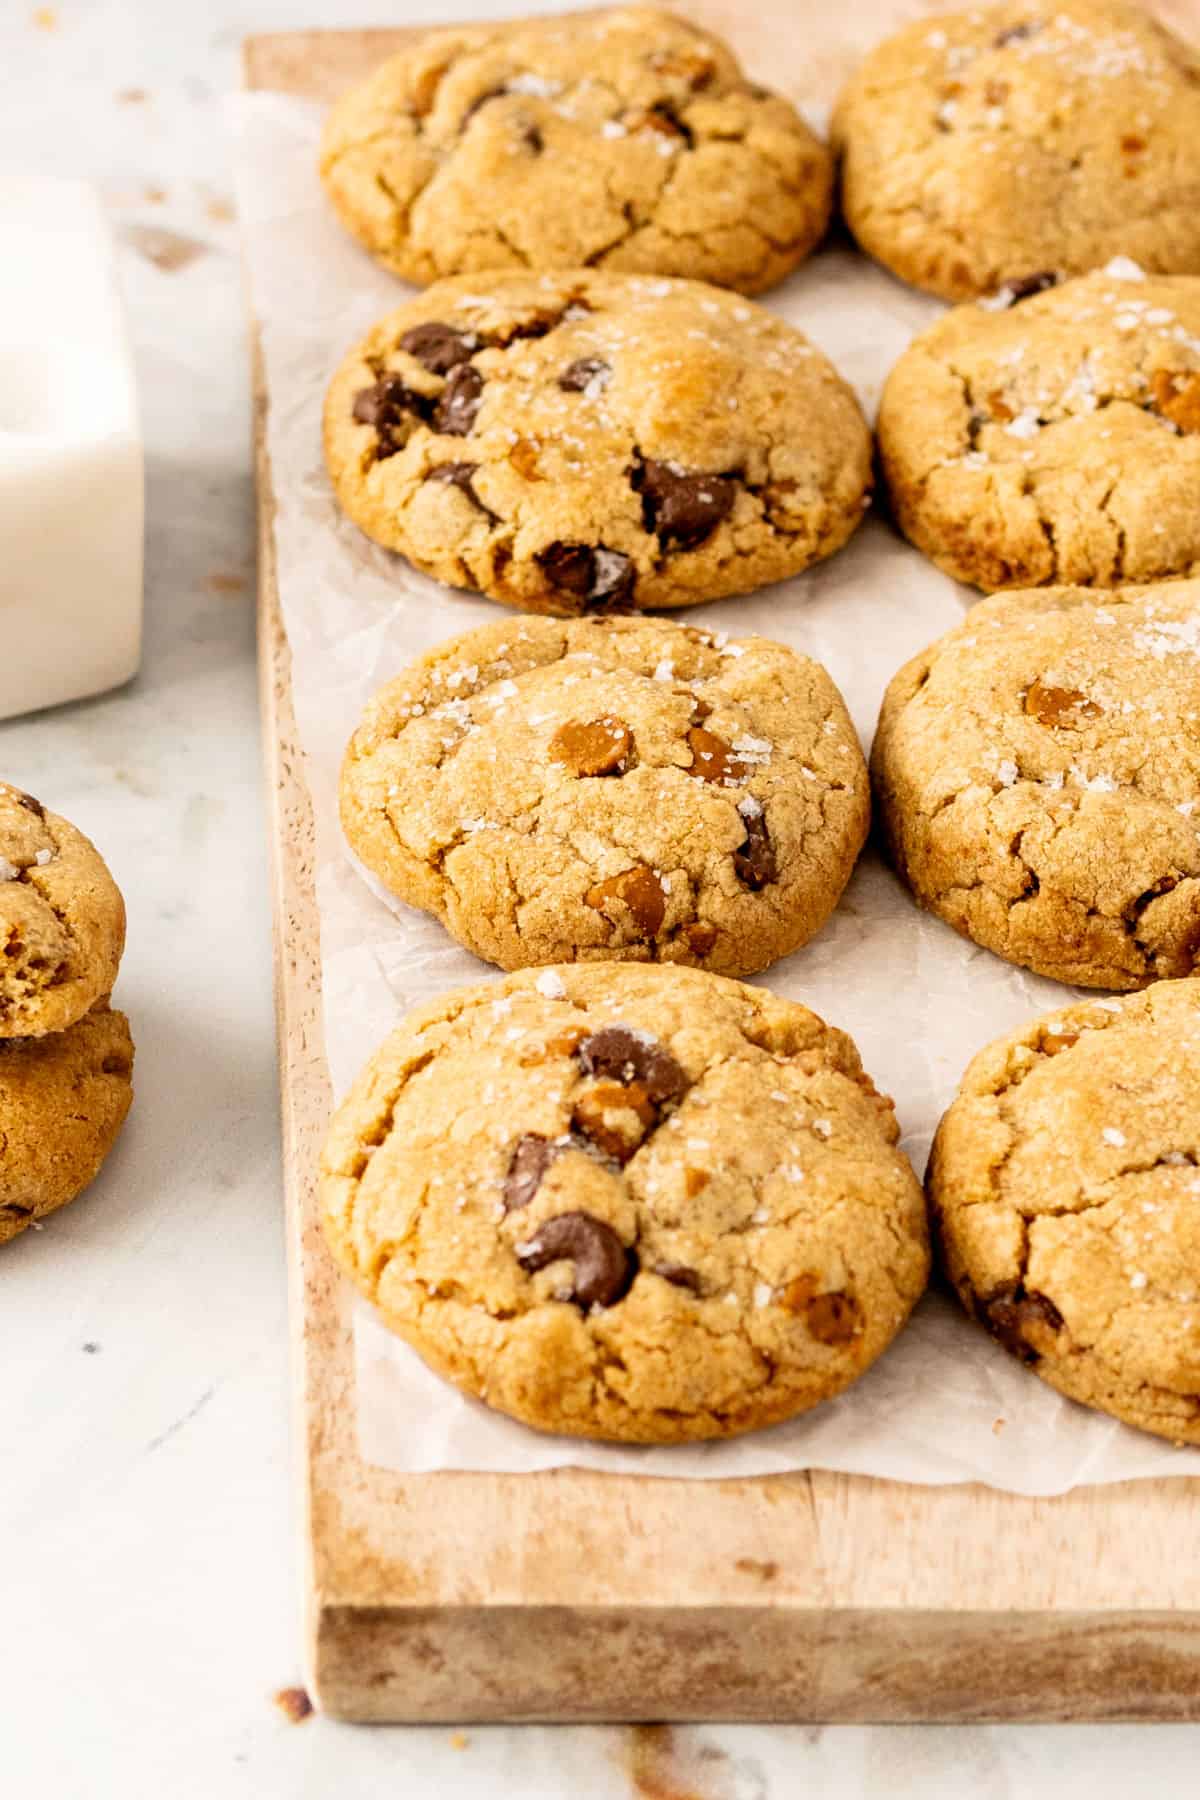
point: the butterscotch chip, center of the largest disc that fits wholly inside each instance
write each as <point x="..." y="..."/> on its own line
<point x="62" y="920"/>
<point x="607" y="1242"/>
<point x="595" y="747"/>
<point x="1037" y="772"/>
<point x="544" y="789"/>
<point x="63" y="1100"/>
<point x="614" y="1117"/>
<point x="1066" y="1181"/>
<point x="1059" y="706"/>
<point x="638" y="891"/>
<point x="1054" y="440"/>
<point x="625" y="139"/>
<point x="1177" y="396"/>
<point x="556" y="441"/>
<point x="1007" y="144"/>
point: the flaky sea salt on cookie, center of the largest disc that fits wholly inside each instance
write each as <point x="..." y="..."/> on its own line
<point x="624" y="139"/>
<point x="557" y="790"/>
<point x="577" y="443"/>
<point x="62" y="920"/>
<point x="1038" y="137"/>
<point x="644" y="1204"/>
<point x="1065" y="1182"/>
<point x="1053" y="437"/>
<point x="1037" y="775"/>
<point x="63" y="1101"/>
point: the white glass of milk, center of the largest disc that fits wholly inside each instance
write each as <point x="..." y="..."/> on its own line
<point x="71" y="478"/>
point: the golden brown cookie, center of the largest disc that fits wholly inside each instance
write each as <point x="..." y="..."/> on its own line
<point x="1065" y="1179"/>
<point x="1038" y="137"/>
<point x="63" y="1101"/>
<point x="624" y="1202"/>
<point x="1037" y="773"/>
<point x="1056" y="440"/>
<point x="595" y="443"/>
<point x="62" y="920"/>
<point x="624" y="140"/>
<point x="600" y="788"/>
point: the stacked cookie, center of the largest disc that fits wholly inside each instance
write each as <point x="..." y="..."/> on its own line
<point x="624" y="1196"/>
<point x="66" y="1057"/>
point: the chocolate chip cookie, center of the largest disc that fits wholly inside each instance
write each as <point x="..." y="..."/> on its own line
<point x="1037" y="771"/>
<point x="600" y="788"/>
<point x="1008" y="143"/>
<point x="634" y="1203"/>
<point x="62" y="920"/>
<point x="596" y="443"/>
<point x="1056" y="439"/>
<point x="1065" y="1179"/>
<point x="63" y="1101"/>
<point x="623" y="140"/>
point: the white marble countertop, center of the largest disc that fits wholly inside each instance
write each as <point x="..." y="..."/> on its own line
<point x="148" y="1587"/>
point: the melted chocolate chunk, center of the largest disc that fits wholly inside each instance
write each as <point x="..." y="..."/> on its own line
<point x="602" y="579"/>
<point x="459" y="403"/>
<point x="681" y="506"/>
<point x="1011" y="1312"/>
<point x="389" y="406"/>
<point x="1015" y="33"/>
<point x="754" y="861"/>
<point x="679" y="1275"/>
<point x="625" y="1055"/>
<point x="604" y="1268"/>
<point x="439" y="347"/>
<point x="531" y="1157"/>
<point x="584" y="373"/>
<point x="458" y="474"/>
<point x="30" y="804"/>
<point x="1023" y="287"/>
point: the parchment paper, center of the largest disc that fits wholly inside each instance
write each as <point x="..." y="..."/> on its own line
<point x="945" y="1404"/>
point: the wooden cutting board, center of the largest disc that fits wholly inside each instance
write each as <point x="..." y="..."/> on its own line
<point x="575" y="1595"/>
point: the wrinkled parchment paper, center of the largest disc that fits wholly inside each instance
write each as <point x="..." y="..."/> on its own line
<point x="945" y="1404"/>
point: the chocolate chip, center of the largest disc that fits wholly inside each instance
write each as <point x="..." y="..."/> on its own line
<point x="388" y="406"/>
<point x="754" y="861"/>
<point x="1010" y="1313"/>
<point x="532" y="138"/>
<point x="662" y="118"/>
<point x="538" y="325"/>
<point x="596" y="747"/>
<point x="615" y="1116"/>
<point x="459" y="474"/>
<point x="586" y="372"/>
<point x="456" y="410"/>
<point x="601" y="578"/>
<point x="1164" y="885"/>
<point x="639" y="890"/>
<point x="438" y="347"/>
<point x="1015" y="33"/>
<point x="604" y="1268"/>
<point x="29" y="803"/>
<point x="628" y="1055"/>
<point x="531" y="1157"/>
<point x="682" y="506"/>
<point x="700" y="937"/>
<point x="712" y="757"/>
<point x="1023" y="287"/>
<point x="679" y="1275"/>
<point x="495" y="93"/>
<point x="613" y="577"/>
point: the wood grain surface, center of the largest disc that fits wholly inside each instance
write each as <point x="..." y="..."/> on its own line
<point x="574" y="1595"/>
